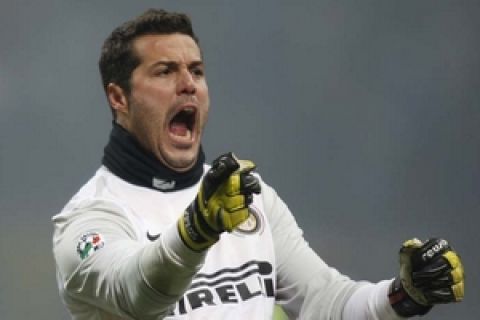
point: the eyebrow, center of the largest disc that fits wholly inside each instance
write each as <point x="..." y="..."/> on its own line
<point x="173" y="64"/>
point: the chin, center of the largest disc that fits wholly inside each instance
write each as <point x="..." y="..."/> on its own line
<point x="181" y="161"/>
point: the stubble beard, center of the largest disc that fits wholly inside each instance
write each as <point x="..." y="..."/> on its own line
<point x="149" y="138"/>
<point x="180" y="163"/>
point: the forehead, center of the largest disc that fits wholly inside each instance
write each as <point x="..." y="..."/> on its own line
<point x="176" y="47"/>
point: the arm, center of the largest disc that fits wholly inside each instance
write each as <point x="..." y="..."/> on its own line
<point x="308" y="288"/>
<point x="130" y="279"/>
<point x="124" y="277"/>
<point x="430" y="273"/>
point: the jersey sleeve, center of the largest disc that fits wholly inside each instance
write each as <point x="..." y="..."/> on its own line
<point x="307" y="288"/>
<point x="370" y="303"/>
<point x="119" y="274"/>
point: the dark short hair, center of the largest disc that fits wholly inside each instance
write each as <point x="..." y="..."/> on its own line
<point x="118" y="59"/>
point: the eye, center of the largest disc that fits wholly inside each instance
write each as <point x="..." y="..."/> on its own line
<point x="162" y="72"/>
<point x="197" y="71"/>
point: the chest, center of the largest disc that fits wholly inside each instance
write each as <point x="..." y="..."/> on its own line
<point x="239" y="270"/>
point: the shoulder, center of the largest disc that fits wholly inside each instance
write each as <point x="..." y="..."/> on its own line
<point x="95" y="204"/>
<point x="102" y="192"/>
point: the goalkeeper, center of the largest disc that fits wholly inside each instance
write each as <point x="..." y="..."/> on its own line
<point x="157" y="233"/>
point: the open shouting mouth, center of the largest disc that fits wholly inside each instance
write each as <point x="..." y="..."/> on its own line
<point x="182" y="126"/>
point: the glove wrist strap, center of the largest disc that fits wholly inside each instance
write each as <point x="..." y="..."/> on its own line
<point x="402" y="303"/>
<point x="194" y="230"/>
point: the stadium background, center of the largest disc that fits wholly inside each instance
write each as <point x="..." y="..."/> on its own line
<point x="363" y="114"/>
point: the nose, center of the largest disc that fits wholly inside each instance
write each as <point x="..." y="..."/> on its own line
<point x="186" y="83"/>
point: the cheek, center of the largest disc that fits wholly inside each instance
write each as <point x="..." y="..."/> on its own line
<point x="203" y="90"/>
<point x="150" y="101"/>
<point x="204" y="111"/>
<point x="204" y="99"/>
<point x="153" y="92"/>
<point x="147" y="117"/>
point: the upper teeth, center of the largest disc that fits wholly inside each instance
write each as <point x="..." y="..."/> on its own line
<point x="189" y="109"/>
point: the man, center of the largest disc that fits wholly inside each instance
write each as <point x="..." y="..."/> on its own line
<point x="158" y="234"/>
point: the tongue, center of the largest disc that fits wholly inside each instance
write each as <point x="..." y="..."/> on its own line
<point x="179" y="128"/>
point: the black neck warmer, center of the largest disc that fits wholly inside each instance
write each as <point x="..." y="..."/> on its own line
<point x="126" y="158"/>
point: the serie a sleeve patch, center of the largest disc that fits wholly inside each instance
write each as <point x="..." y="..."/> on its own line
<point x="89" y="243"/>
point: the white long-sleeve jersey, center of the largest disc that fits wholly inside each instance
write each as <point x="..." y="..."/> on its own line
<point x="119" y="256"/>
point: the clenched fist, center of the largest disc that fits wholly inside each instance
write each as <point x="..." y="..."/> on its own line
<point x="430" y="273"/>
<point x="221" y="203"/>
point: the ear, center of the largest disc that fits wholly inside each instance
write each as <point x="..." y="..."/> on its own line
<point x="117" y="99"/>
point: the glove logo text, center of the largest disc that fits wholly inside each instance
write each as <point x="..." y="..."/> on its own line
<point x="442" y="244"/>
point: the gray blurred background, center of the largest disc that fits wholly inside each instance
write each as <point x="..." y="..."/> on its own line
<point x="364" y="115"/>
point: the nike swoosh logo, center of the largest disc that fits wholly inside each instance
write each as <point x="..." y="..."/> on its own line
<point x="152" y="237"/>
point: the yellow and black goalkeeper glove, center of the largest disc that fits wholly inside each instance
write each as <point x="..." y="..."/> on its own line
<point x="221" y="203"/>
<point x="430" y="273"/>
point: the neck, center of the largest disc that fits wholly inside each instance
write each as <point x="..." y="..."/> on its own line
<point x="125" y="157"/>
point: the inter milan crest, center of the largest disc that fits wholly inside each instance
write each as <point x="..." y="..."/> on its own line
<point x="254" y="223"/>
